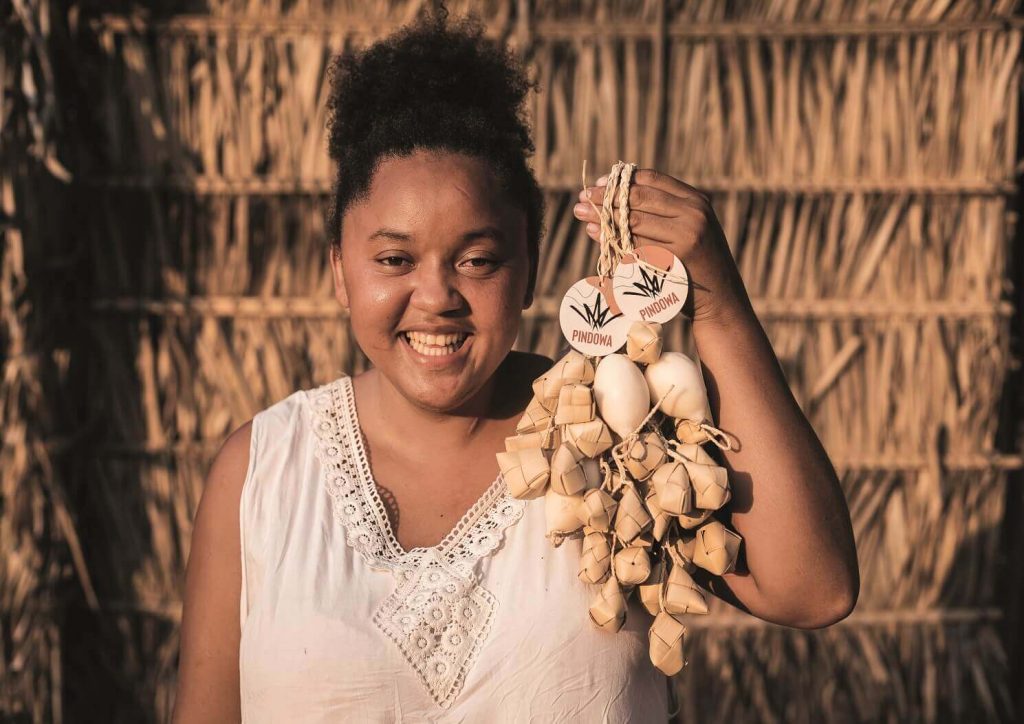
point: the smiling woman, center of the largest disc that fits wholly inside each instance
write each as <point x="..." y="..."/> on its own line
<point x="357" y="555"/>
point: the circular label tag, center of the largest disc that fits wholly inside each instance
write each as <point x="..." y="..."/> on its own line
<point x="652" y="291"/>
<point x="591" y="320"/>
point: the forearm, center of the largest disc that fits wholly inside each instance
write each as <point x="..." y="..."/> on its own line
<point x="801" y="561"/>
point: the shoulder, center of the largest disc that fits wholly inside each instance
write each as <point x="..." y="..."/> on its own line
<point x="226" y="476"/>
<point x="227" y="487"/>
<point x="237" y="455"/>
<point x="275" y="429"/>
<point x="232" y="459"/>
<point x="215" y="542"/>
<point x="294" y="406"/>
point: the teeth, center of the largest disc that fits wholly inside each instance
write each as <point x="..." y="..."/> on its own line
<point x="435" y="345"/>
<point x="436" y="340"/>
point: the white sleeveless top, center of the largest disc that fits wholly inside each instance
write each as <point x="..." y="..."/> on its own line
<point x="339" y="623"/>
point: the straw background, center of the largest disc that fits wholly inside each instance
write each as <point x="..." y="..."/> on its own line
<point x="163" y="276"/>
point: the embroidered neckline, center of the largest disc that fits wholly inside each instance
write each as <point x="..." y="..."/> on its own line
<point x="372" y="492"/>
<point x="439" y="615"/>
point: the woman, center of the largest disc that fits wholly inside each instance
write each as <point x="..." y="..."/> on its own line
<point x="360" y="532"/>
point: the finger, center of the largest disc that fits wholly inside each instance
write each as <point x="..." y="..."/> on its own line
<point x="667" y="207"/>
<point x="641" y="197"/>
<point x="648" y="200"/>
<point x="638" y="240"/>
<point x="669" y="184"/>
<point x="662" y="182"/>
<point x="654" y="228"/>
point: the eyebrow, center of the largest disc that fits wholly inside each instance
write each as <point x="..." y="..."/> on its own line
<point x="492" y="232"/>
<point x="390" y="234"/>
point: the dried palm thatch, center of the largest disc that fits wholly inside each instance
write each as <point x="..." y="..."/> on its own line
<point x="38" y="542"/>
<point x="861" y="159"/>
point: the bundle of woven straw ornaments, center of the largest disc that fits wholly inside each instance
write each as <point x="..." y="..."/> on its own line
<point x="614" y="442"/>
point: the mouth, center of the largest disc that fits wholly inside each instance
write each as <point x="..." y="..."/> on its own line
<point x="435" y="345"/>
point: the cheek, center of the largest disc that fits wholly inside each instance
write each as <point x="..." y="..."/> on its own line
<point x="499" y="304"/>
<point x="375" y="303"/>
<point x="381" y="296"/>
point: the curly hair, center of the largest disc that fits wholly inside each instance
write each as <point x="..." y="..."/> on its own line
<point x="439" y="86"/>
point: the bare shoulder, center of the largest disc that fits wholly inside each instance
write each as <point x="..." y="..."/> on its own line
<point x="232" y="460"/>
<point x="208" y="668"/>
<point x="222" y="489"/>
<point x="216" y="524"/>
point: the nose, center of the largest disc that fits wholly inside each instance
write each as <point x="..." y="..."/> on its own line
<point x="436" y="290"/>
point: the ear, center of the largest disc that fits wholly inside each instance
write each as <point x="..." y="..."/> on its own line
<point x="531" y="286"/>
<point x="340" y="292"/>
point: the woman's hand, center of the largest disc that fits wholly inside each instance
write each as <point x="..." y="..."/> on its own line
<point x="666" y="212"/>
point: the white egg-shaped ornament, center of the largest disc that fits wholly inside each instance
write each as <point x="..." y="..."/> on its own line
<point x="677" y="386"/>
<point x="621" y="394"/>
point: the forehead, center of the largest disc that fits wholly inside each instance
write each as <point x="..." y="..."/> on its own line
<point x="434" y="189"/>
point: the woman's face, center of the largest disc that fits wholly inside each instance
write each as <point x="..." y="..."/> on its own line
<point x="433" y="269"/>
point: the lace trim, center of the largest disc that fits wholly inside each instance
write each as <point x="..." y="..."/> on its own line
<point x="439" y="619"/>
<point x="439" y="615"/>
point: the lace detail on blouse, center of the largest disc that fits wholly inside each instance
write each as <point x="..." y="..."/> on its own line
<point x="439" y="615"/>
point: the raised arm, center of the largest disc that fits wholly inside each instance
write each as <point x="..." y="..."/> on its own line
<point x="798" y="562"/>
<point x="801" y="561"/>
<point x="208" y="666"/>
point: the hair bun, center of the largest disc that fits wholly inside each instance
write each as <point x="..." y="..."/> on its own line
<point x="423" y="84"/>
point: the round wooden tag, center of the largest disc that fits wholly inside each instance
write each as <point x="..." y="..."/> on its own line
<point x="653" y="291"/>
<point x="591" y="320"/>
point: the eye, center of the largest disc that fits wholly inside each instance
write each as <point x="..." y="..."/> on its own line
<point x="392" y="260"/>
<point x="481" y="262"/>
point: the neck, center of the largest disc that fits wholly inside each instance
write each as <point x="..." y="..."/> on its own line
<point x="415" y="426"/>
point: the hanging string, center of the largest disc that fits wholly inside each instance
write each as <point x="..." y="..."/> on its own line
<point x="548" y="433"/>
<point x="625" y="179"/>
<point x="622" y="448"/>
<point x="720" y="438"/>
<point x="616" y="239"/>
<point x="674" y="452"/>
<point x="611" y="565"/>
<point x="675" y="555"/>
<point x="663" y="583"/>
<point x="606" y="478"/>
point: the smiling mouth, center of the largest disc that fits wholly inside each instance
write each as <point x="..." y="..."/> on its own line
<point x="435" y="345"/>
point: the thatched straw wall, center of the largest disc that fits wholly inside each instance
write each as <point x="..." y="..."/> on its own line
<point x="861" y="158"/>
<point x="41" y="558"/>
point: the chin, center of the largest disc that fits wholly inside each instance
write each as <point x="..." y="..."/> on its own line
<point x="441" y="394"/>
<point x="440" y="382"/>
